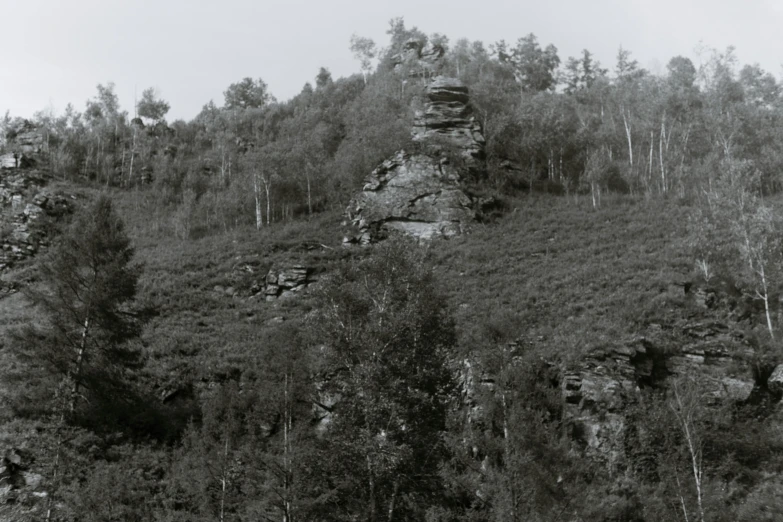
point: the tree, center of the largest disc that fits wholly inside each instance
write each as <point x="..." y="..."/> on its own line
<point x="364" y="50"/>
<point x="387" y="335"/>
<point x="323" y="79"/>
<point x="247" y="94"/>
<point x="751" y="250"/>
<point x="151" y="107"/>
<point x="263" y="166"/>
<point x="88" y="288"/>
<point x="533" y="67"/>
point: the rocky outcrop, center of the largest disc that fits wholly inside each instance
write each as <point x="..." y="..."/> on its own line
<point x="28" y="139"/>
<point x="413" y="193"/>
<point x="419" y="58"/>
<point x="775" y="381"/>
<point x="421" y="193"/>
<point x="23" y="143"/>
<point x="16" y="479"/>
<point x="601" y="389"/>
<point x="282" y="282"/>
<point x="23" y="203"/>
<point x="447" y="120"/>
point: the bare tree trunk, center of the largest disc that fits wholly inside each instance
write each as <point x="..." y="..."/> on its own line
<point x="371" y="484"/>
<point x="682" y="499"/>
<point x="685" y="418"/>
<point x="267" y="188"/>
<point x="257" y="195"/>
<point x="507" y="456"/>
<point x="223" y="481"/>
<point x="661" y="140"/>
<point x="764" y="295"/>
<point x="309" y="198"/>
<point x="627" y="125"/>
<point x="76" y="376"/>
<point x="393" y="500"/>
<point x="649" y="165"/>
<point x="286" y="451"/>
<point x="55" y="467"/>
<point x="133" y="154"/>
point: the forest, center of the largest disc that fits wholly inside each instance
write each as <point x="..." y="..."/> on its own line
<point x="627" y="282"/>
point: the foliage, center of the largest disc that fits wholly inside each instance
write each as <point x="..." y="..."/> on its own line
<point x="87" y="289"/>
<point x="387" y="335"/>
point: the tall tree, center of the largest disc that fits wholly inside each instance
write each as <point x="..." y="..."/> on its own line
<point x="247" y="94"/>
<point x="88" y="286"/>
<point x="364" y="50"/>
<point x="151" y="106"/>
<point x="387" y="334"/>
<point x="534" y="68"/>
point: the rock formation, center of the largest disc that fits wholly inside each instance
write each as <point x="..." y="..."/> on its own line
<point x="599" y="391"/>
<point x="24" y="144"/>
<point x="23" y="202"/>
<point x="286" y="281"/>
<point x="421" y="193"/>
<point x="419" y="58"/>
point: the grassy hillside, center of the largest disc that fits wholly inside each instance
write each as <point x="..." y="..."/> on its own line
<point x="570" y="278"/>
<point x="552" y="269"/>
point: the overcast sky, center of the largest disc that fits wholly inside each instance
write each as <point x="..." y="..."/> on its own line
<point x="56" y="51"/>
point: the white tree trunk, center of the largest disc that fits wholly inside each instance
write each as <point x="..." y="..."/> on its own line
<point x="257" y="195"/>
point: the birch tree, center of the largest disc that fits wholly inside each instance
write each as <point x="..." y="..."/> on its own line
<point x="387" y="334"/>
<point x="750" y="232"/>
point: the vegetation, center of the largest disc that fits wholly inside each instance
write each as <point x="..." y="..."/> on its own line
<point x="151" y="379"/>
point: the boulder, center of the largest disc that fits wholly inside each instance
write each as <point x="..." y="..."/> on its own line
<point x="9" y="161"/>
<point x="775" y="381"/>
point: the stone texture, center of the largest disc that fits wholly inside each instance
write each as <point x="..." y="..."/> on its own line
<point x="448" y="119"/>
<point x="775" y="381"/>
<point x="421" y="193"/>
<point x="24" y="201"/>
<point x="24" y="144"/>
<point x="412" y="193"/>
<point x="282" y="282"/>
<point x="419" y="59"/>
<point x="598" y="391"/>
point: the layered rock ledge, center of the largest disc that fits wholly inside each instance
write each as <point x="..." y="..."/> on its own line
<point x="421" y="193"/>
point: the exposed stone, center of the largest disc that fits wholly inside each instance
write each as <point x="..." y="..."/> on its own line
<point x="415" y="194"/>
<point x="448" y="119"/>
<point x="598" y="392"/>
<point x="23" y="202"/>
<point x="775" y="381"/>
<point x="421" y="194"/>
<point x="286" y="281"/>
<point x="419" y="59"/>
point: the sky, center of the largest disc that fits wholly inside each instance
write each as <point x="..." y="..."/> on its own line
<point x="53" y="52"/>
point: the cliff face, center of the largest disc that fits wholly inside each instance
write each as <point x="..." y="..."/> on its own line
<point x="421" y="193"/>
<point x="710" y="350"/>
<point x="601" y="390"/>
<point x="24" y="144"/>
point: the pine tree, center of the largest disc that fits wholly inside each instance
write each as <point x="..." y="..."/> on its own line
<point x="88" y="285"/>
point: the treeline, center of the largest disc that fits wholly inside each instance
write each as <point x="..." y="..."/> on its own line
<point x="571" y="125"/>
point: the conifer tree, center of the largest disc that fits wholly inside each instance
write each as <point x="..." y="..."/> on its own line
<point x="87" y="286"/>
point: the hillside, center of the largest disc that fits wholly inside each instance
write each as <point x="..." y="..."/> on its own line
<point x="567" y="281"/>
<point x="468" y="284"/>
